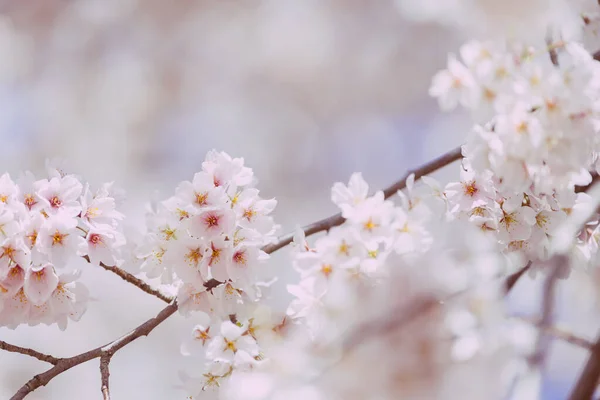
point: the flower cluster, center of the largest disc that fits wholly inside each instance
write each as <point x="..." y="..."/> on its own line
<point x="207" y="240"/>
<point x="355" y="251"/>
<point x="44" y="225"/>
<point x="539" y="109"/>
<point x="522" y="223"/>
<point x="209" y="235"/>
<point x="229" y="347"/>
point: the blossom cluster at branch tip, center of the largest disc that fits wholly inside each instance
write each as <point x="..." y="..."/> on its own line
<point x="45" y="224"/>
<point x="206" y="240"/>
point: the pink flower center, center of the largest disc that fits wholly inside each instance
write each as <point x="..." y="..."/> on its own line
<point x="95" y="239"/>
<point x="55" y="202"/>
<point x="211" y="220"/>
<point x="239" y="257"/>
<point x="29" y="201"/>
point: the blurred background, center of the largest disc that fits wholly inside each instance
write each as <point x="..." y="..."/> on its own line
<point x="137" y="91"/>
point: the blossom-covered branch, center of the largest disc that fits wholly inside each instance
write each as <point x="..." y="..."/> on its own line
<point x="107" y="351"/>
<point x="425" y="277"/>
<point x="337" y="219"/>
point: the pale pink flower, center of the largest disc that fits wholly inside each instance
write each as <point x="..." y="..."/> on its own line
<point x="253" y="212"/>
<point x="101" y="245"/>
<point x="189" y="258"/>
<point x="219" y="256"/>
<point x="61" y="195"/>
<point x="453" y="86"/>
<point x="243" y="261"/>
<point x="59" y="239"/>
<point x="9" y="226"/>
<point x="212" y="223"/>
<point x="227" y="171"/>
<point x="12" y="281"/>
<point x="193" y="298"/>
<point x="348" y="197"/>
<point x="40" y="283"/>
<point x="14" y="252"/>
<point x="99" y="208"/>
<point x="199" y="336"/>
<point x="27" y="194"/>
<point x="230" y="342"/>
<point x="201" y="192"/>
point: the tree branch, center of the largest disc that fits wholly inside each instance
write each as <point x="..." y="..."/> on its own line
<point x="558" y="263"/>
<point x="108" y="350"/>
<point x="29" y="352"/>
<point x="561" y="334"/>
<point x="418" y="307"/>
<point x="588" y="380"/>
<point x="512" y="279"/>
<point x="126" y="276"/>
<point x="104" y="375"/>
<point x="337" y="219"/>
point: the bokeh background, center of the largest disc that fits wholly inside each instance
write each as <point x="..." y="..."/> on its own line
<point x="308" y="92"/>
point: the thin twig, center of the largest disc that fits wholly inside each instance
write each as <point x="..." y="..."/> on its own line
<point x="561" y="334"/>
<point x="401" y="318"/>
<point x="337" y="219"/>
<point x="588" y="380"/>
<point x="67" y="363"/>
<point x="126" y="276"/>
<point x="558" y="264"/>
<point x="104" y="375"/>
<point x="29" y="352"/>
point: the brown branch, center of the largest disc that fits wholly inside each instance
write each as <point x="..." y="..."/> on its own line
<point x="126" y="276"/>
<point x="558" y="264"/>
<point x="29" y="352"/>
<point x="104" y="375"/>
<point x="561" y="334"/>
<point x="107" y="351"/>
<point x="588" y="380"/>
<point x="595" y="178"/>
<point x="372" y="328"/>
<point x="512" y="279"/>
<point x="337" y="219"/>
